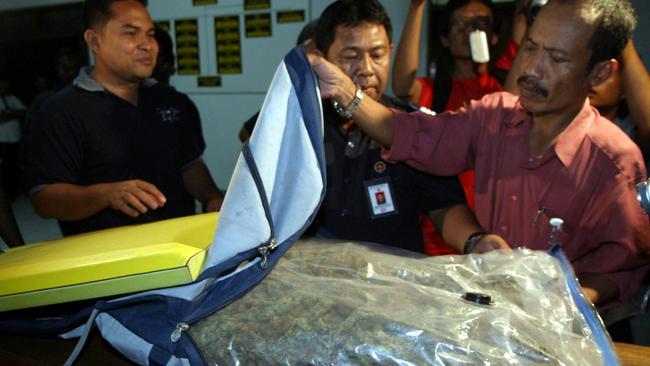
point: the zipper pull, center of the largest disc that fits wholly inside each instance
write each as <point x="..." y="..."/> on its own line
<point x="556" y="225"/>
<point x="180" y="328"/>
<point x="265" y="250"/>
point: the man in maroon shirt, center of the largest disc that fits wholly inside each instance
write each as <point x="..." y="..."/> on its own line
<point x="544" y="154"/>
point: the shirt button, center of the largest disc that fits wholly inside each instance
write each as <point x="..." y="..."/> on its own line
<point x="351" y="144"/>
<point x="513" y="197"/>
<point x="346" y="180"/>
<point x="504" y="228"/>
<point x="344" y="212"/>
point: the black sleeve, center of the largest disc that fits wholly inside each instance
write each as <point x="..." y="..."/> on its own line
<point x="54" y="147"/>
<point x="438" y="192"/>
<point x="193" y="142"/>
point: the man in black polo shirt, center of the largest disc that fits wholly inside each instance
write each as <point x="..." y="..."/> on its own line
<point x="117" y="148"/>
<point x="368" y="199"/>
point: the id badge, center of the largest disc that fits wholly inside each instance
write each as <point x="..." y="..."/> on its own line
<point x="380" y="197"/>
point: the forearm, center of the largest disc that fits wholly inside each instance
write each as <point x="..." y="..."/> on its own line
<point x="70" y="202"/>
<point x="519" y="24"/>
<point x="199" y="183"/>
<point x="407" y="55"/>
<point x="636" y="84"/>
<point x="510" y="84"/>
<point x="455" y="224"/>
<point x="373" y="118"/>
<point x="598" y="288"/>
<point x="8" y="227"/>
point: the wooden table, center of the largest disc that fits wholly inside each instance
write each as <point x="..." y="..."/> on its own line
<point x="633" y="355"/>
<point x="36" y="351"/>
<point x="23" y="351"/>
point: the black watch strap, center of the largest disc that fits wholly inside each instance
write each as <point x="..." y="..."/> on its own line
<point x="471" y="241"/>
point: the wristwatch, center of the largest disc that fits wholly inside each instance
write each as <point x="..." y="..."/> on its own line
<point x="471" y="241"/>
<point x="349" y="110"/>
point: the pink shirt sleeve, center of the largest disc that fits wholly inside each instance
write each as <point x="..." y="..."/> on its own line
<point x="418" y="138"/>
<point x="621" y="239"/>
<point x="451" y="137"/>
<point x="606" y="231"/>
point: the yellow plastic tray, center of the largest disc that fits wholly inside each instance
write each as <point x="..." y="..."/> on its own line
<point x="107" y="262"/>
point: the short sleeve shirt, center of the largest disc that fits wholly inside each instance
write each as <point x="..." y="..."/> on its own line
<point x="354" y="164"/>
<point x="85" y="135"/>
<point x="587" y="178"/>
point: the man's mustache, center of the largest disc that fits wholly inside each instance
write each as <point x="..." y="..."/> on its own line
<point x="534" y="84"/>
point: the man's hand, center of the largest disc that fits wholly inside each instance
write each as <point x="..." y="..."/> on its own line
<point x="214" y="204"/>
<point x="489" y="242"/>
<point x="598" y="288"/>
<point x="334" y="83"/>
<point x="134" y="197"/>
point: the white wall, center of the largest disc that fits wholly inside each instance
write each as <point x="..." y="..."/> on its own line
<point x="19" y="4"/>
<point x="223" y="110"/>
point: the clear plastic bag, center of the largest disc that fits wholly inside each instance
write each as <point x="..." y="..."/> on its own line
<point x="334" y="303"/>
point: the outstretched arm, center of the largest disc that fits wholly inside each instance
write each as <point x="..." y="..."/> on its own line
<point x="522" y="18"/>
<point x="636" y="85"/>
<point x="519" y="20"/>
<point x="8" y="227"/>
<point x="373" y="118"/>
<point x="407" y="55"/>
<point x="457" y="223"/>
<point x="70" y="202"/>
<point x="200" y="185"/>
<point x="598" y="288"/>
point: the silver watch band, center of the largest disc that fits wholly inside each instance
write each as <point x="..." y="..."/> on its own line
<point x="350" y="109"/>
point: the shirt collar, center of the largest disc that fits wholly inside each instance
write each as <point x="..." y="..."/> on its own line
<point x="86" y="82"/>
<point x="569" y="140"/>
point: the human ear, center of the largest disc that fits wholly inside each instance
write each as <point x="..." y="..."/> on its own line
<point x="602" y="71"/>
<point x="91" y="40"/>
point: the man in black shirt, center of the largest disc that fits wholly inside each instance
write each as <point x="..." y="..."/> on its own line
<point x="368" y="199"/>
<point x="116" y="148"/>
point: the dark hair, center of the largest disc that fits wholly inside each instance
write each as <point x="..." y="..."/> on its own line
<point x="165" y="45"/>
<point x="308" y="31"/>
<point x="349" y="13"/>
<point x="96" y="13"/>
<point x="453" y="5"/>
<point x="165" y="63"/>
<point x="617" y="21"/>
